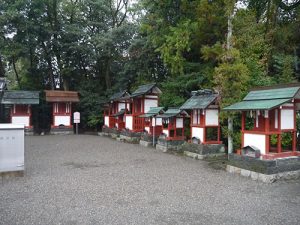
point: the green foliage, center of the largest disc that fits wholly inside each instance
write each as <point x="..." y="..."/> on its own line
<point x="177" y="89"/>
<point x="231" y="78"/>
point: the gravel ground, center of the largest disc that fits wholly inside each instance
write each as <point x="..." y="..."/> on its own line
<point x="95" y="180"/>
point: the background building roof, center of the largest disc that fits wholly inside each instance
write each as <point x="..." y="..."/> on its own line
<point x="20" y="97"/>
<point x="62" y="96"/>
<point x="145" y="89"/>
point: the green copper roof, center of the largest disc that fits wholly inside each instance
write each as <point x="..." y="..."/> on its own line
<point x="199" y="101"/>
<point x="120" y="113"/>
<point x="256" y="105"/>
<point x="265" y="99"/>
<point x="118" y="95"/>
<point x="143" y="89"/>
<point x="153" y="112"/>
<point x="278" y="93"/>
<point x="20" y="97"/>
<point x="171" y="112"/>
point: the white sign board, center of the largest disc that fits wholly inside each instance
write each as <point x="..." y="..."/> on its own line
<point x="76" y="117"/>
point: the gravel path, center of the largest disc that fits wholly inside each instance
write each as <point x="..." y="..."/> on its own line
<point x="95" y="180"/>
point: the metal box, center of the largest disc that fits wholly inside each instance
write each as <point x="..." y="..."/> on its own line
<point x="11" y="148"/>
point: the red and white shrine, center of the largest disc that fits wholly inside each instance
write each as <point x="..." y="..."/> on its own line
<point x="204" y="111"/>
<point x="21" y="102"/>
<point x="62" y="107"/>
<point x="269" y="120"/>
<point x="115" y="110"/>
<point x="173" y="124"/>
<point x="153" y="124"/>
<point x="139" y="102"/>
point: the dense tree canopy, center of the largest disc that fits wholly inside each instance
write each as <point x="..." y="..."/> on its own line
<point x="100" y="46"/>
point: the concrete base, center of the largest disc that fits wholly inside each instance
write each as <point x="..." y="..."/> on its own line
<point x="266" y="178"/>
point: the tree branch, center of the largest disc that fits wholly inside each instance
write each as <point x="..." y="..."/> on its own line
<point x="286" y="7"/>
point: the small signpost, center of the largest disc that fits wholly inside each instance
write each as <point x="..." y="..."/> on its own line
<point x="76" y="118"/>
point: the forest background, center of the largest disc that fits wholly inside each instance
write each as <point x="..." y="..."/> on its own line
<point x="99" y="47"/>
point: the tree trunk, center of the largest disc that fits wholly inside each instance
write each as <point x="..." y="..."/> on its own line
<point x="2" y="70"/>
<point x="229" y="30"/>
<point x="50" y="69"/>
<point x="228" y="47"/>
<point x="107" y="74"/>
<point x="230" y="131"/>
<point x="16" y="72"/>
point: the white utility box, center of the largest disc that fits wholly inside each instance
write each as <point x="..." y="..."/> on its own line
<point x="11" y="148"/>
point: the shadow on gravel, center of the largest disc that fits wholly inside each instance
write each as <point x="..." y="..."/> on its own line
<point x="75" y="165"/>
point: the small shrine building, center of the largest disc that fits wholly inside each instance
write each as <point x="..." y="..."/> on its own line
<point x="115" y="110"/>
<point x="20" y="103"/>
<point x="204" y="111"/>
<point x="61" y="107"/>
<point x="269" y="118"/>
<point x="139" y="102"/>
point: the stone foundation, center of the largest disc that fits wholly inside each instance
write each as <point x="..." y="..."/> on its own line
<point x="147" y="140"/>
<point x="130" y="137"/>
<point x="110" y="132"/>
<point x="61" y="131"/>
<point x="265" y="166"/>
<point x="166" y="145"/>
<point x="200" y="151"/>
<point x="265" y="170"/>
<point x="266" y="178"/>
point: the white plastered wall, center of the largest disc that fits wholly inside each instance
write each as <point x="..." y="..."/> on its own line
<point x="106" y="121"/>
<point x="158" y="121"/>
<point x="65" y="120"/>
<point x="150" y="103"/>
<point x="166" y="132"/>
<point x="287" y="119"/>
<point x="198" y="133"/>
<point x="128" y="122"/>
<point x="212" y="117"/>
<point x="121" y="105"/>
<point x="147" y="129"/>
<point x="179" y="122"/>
<point x="24" y="120"/>
<point x="257" y="140"/>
